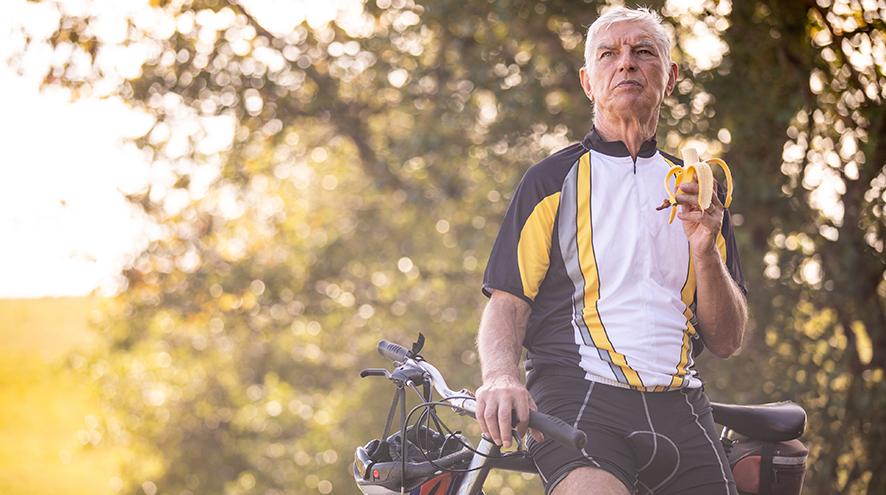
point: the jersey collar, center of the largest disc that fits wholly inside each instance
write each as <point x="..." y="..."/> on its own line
<point x="593" y="141"/>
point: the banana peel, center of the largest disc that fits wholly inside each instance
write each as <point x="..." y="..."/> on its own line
<point x="699" y="171"/>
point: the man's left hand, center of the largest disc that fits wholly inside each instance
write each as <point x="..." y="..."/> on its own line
<point x="701" y="227"/>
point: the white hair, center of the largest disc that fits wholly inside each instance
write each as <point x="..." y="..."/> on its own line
<point x="620" y="14"/>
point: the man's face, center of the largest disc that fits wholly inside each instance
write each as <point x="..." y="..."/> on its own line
<point x="629" y="76"/>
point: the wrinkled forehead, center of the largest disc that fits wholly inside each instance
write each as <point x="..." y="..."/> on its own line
<point x="628" y="32"/>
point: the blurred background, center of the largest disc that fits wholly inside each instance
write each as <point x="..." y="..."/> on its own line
<point x="212" y="210"/>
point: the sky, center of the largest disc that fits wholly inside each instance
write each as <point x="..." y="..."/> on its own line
<point x="66" y="228"/>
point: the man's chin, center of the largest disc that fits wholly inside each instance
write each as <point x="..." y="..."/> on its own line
<point x="628" y="104"/>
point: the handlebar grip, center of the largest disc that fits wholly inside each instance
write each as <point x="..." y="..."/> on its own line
<point x="392" y="351"/>
<point x="557" y="429"/>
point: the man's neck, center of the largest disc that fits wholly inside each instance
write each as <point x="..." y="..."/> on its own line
<point x="632" y="132"/>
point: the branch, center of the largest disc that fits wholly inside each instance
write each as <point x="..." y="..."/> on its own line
<point x="345" y="117"/>
<point x="235" y="5"/>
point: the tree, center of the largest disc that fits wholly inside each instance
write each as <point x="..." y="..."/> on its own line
<point x="323" y="185"/>
<point x="818" y="228"/>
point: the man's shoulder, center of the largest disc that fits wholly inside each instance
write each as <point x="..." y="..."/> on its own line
<point x="550" y="172"/>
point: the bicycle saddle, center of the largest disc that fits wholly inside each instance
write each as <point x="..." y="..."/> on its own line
<point x="773" y="422"/>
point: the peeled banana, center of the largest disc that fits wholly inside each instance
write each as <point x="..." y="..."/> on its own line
<point x="700" y="171"/>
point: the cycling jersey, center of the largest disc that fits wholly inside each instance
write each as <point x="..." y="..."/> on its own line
<point x="610" y="283"/>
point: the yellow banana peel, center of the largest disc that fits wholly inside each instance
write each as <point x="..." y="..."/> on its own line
<point x="694" y="169"/>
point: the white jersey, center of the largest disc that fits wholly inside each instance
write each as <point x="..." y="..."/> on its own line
<point x="610" y="282"/>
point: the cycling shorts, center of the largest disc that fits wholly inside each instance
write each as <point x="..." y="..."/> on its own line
<point x="654" y="442"/>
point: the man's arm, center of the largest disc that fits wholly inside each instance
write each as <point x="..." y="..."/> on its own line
<point x="500" y="344"/>
<point x="721" y="307"/>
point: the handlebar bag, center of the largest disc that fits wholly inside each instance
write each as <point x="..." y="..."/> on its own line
<point x="767" y="468"/>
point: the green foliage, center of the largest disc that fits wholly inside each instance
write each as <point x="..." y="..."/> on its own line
<point x="368" y="167"/>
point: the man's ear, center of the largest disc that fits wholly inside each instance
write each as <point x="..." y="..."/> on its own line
<point x="672" y="79"/>
<point x="585" y="79"/>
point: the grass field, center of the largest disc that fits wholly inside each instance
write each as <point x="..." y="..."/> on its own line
<point x="44" y="406"/>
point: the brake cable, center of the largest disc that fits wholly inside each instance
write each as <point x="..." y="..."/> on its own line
<point x="455" y="435"/>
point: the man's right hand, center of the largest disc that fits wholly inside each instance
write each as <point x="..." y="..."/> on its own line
<point x="496" y="399"/>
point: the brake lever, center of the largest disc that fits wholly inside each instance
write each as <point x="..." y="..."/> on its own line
<point x="418" y="345"/>
<point x="375" y="372"/>
<point x="406" y="373"/>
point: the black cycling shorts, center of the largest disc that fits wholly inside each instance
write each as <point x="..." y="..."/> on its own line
<point x="654" y="442"/>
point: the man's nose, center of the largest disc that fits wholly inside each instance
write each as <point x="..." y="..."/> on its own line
<point x="626" y="61"/>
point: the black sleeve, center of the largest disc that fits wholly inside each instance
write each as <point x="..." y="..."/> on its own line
<point x="733" y="260"/>
<point x="521" y="253"/>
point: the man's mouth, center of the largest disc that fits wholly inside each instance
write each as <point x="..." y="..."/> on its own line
<point x="628" y="84"/>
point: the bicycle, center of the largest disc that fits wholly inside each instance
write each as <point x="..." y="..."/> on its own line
<point x="761" y="441"/>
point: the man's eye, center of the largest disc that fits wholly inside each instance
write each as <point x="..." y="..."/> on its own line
<point x="605" y="54"/>
<point x="645" y="51"/>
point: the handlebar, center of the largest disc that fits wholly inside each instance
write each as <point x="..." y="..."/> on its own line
<point x="392" y="351"/>
<point x="559" y="430"/>
<point x="550" y="426"/>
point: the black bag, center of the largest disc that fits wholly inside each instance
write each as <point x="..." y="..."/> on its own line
<point x="767" y="468"/>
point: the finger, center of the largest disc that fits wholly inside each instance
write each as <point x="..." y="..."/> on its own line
<point x="687" y="199"/>
<point x="504" y="423"/>
<point x="714" y="211"/>
<point x="691" y="216"/>
<point x="689" y="187"/>
<point x="479" y="414"/>
<point x="522" y="408"/>
<point x="490" y="415"/>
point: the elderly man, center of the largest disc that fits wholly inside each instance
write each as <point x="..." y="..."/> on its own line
<point x="611" y="301"/>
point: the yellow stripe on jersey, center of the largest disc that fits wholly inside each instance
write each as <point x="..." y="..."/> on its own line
<point x="678" y="379"/>
<point x="721" y="245"/>
<point x="688" y="293"/>
<point x="534" y="247"/>
<point x="588" y="263"/>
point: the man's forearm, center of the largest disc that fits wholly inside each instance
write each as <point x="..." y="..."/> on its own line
<point x="721" y="309"/>
<point x="500" y="338"/>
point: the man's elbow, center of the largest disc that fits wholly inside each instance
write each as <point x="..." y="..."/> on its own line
<point x="728" y="347"/>
<point x="725" y="350"/>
